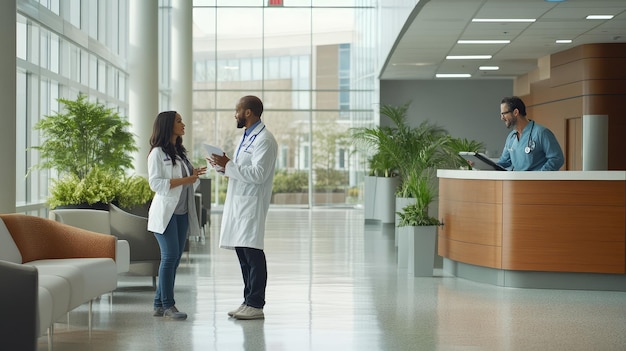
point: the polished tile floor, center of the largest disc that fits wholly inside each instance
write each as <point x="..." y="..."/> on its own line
<point x="334" y="285"/>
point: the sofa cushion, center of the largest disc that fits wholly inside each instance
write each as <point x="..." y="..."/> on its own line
<point x="8" y="249"/>
<point x="44" y="310"/>
<point x="59" y="290"/>
<point x="73" y="277"/>
<point x="97" y="275"/>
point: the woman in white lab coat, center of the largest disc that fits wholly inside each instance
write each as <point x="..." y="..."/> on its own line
<point x="250" y="176"/>
<point x="172" y="212"/>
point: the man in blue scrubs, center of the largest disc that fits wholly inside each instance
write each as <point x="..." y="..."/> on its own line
<point x="529" y="146"/>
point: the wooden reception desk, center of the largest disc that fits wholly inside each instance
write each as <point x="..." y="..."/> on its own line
<point x="522" y="225"/>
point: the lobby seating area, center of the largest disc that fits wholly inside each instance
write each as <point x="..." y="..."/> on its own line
<point x="334" y="284"/>
<point x="64" y="267"/>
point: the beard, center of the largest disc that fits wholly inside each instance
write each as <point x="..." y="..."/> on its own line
<point x="241" y="122"/>
<point x="510" y="123"/>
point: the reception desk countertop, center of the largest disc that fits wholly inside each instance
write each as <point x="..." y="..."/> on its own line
<point x="565" y="221"/>
<point x="559" y="175"/>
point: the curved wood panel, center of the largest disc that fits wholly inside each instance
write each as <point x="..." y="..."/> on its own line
<point x="535" y="225"/>
<point x="480" y="255"/>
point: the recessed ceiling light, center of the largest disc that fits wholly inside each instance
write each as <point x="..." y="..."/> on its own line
<point x="453" y="75"/>
<point x="503" y="20"/>
<point x="468" y="57"/>
<point x="481" y="41"/>
<point x="555" y="0"/>
<point x="412" y="64"/>
<point x="563" y="41"/>
<point x="599" y="17"/>
<point x="488" y="68"/>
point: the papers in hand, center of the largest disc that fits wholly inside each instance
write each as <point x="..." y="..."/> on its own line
<point x="213" y="150"/>
<point x="210" y="149"/>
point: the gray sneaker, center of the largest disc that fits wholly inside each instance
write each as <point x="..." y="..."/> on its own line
<point x="249" y="312"/>
<point x="158" y="311"/>
<point x="233" y="312"/>
<point x="173" y="313"/>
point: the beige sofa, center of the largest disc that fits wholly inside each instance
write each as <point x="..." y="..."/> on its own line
<point x="73" y="265"/>
<point x="145" y="254"/>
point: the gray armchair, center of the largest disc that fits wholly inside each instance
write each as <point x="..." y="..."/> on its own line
<point x="145" y="255"/>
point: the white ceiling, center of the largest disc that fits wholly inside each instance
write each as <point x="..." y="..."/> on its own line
<point x="420" y="51"/>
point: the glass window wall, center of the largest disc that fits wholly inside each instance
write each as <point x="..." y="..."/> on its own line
<point x="53" y="64"/>
<point x="301" y="59"/>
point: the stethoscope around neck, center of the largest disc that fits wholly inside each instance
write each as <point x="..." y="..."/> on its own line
<point x="252" y="139"/>
<point x="531" y="143"/>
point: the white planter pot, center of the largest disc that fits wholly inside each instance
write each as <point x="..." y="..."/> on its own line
<point x="386" y="199"/>
<point x="421" y="252"/>
<point x="403" y="234"/>
<point x="369" y="198"/>
<point x="401" y="202"/>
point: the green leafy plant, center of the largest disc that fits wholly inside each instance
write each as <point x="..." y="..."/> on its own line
<point x="133" y="191"/>
<point x="416" y="214"/>
<point x="90" y="147"/>
<point x="97" y="186"/>
<point x="85" y="135"/>
<point x="286" y="182"/>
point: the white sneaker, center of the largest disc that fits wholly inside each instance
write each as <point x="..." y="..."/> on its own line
<point x="249" y="312"/>
<point x="233" y="312"/>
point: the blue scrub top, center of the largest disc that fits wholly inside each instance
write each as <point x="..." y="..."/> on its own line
<point x="536" y="150"/>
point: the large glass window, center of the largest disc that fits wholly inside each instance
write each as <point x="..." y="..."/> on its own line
<point x="53" y="64"/>
<point x="299" y="58"/>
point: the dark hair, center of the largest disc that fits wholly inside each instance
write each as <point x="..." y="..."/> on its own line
<point x="253" y="103"/>
<point x="514" y="102"/>
<point x="162" y="136"/>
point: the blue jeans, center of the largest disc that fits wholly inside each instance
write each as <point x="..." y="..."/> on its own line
<point x="172" y="244"/>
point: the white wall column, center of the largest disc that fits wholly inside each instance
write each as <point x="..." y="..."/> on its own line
<point x="182" y="65"/>
<point x="8" y="18"/>
<point x="595" y="142"/>
<point x="143" y="68"/>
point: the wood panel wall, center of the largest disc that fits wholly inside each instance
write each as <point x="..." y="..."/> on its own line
<point x="586" y="80"/>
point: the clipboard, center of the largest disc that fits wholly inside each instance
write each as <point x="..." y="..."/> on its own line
<point x="213" y="149"/>
<point x="481" y="161"/>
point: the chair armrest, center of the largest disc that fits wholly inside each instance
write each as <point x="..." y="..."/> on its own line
<point x="19" y="325"/>
<point x="122" y="256"/>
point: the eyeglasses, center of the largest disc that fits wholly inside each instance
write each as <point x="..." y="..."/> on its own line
<point x="505" y="112"/>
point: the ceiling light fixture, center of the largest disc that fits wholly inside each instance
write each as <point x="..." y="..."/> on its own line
<point x="488" y="68"/>
<point x="468" y="57"/>
<point x="453" y="75"/>
<point x="481" y="41"/>
<point x="524" y="20"/>
<point x="412" y="64"/>
<point x="563" y="41"/>
<point x="599" y="17"/>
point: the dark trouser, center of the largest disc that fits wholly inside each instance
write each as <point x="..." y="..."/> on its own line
<point x="254" y="272"/>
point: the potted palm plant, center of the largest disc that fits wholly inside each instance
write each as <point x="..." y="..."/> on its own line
<point x="418" y="228"/>
<point x="89" y="146"/>
<point x="381" y="184"/>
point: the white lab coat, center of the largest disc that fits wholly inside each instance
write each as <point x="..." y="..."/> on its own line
<point x="249" y="192"/>
<point x="160" y="171"/>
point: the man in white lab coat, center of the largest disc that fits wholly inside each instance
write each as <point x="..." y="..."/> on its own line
<point x="250" y="177"/>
